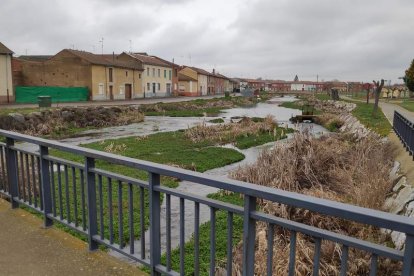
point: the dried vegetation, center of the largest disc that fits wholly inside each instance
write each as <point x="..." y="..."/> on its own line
<point x="335" y="167"/>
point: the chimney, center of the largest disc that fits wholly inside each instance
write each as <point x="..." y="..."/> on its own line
<point x="214" y="71"/>
<point x="113" y="56"/>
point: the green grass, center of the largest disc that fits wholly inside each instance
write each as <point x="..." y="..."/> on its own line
<point x="217" y="121"/>
<point x="408" y="104"/>
<point x="322" y="97"/>
<point x="296" y="105"/>
<point x="377" y="123"/>
<point x="167" y="148"/>
<point x="251" y="140"/>
<point x="205" y="242"/>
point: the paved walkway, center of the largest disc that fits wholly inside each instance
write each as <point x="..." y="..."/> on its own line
<point x="26" y="248"/>
<point x="115" y="103"/>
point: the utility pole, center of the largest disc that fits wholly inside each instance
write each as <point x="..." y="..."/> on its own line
<point x="102" y="44"/>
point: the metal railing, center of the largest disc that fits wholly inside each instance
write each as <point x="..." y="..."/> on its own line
<point x="404" y="129"/>
<point x="112" y="209"/>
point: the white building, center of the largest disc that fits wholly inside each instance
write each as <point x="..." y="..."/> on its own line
<point x="6" y="82"/>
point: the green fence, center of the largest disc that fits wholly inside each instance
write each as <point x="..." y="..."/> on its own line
<point x="29" y="94"/>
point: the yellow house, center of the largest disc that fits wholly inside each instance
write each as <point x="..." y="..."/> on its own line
<point x="6" y="82"/>
<point x="105" y="77"/>
<point x="157" y="75"/>
<point x="193" y="81"/>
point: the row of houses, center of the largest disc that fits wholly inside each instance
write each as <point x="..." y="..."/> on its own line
<point x="298" y="85"/>
<point x="109" y="77"/>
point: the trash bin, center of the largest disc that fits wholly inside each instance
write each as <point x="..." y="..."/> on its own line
<point x="44" y="101"/>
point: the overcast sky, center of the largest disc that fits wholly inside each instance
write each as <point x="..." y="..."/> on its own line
<point x="276" y="39"/>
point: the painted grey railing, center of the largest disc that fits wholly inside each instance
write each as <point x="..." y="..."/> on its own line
<point x="404" y="129"/>
<point x="73" y="194"/>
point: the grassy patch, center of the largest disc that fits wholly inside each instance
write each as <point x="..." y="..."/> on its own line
<point x="322" y="97"/>
<point x="377" y="123"/>
<point x="217" y="121"/>
<point x="167" y="148"/>
<point x="252" y="140"/>
<point x="298" y="105"/>
<point x="24" y="110"/>
<point x="408" y="104"/>
<point x="205" y="242"/>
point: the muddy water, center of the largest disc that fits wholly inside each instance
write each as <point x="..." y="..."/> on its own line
<point x="153" y="124"/>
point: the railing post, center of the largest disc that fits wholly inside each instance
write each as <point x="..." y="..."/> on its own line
<point x="12" y="172"/>
<point x="249" y="235"/>
<point x="408" y="265"/>
<point x="155" y="213"/>
<point x="91" y="195"/>
<point x="45" y="185"/>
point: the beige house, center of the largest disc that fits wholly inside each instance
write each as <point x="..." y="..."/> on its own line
<point x="6" y="82"/>
<point x="105" y="77"/>
<point x="193" y="81"/>
<point x="157" y="77"/>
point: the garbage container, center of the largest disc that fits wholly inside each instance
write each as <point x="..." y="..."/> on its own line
<point x="44" y="101"/>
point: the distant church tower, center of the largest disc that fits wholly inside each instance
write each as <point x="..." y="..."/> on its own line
<point x="296" y="78"/>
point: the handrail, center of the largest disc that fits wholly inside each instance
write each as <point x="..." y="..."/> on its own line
<point x="72" y="194"/>
<point x="333" y="208"/>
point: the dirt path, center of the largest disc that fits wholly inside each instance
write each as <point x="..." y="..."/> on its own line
<point x="29" y="249"/>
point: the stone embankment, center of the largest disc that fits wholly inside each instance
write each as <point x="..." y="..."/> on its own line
<point x="401" y="198"/>
<point x="47" y="122"/>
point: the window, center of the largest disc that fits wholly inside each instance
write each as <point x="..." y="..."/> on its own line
<point x="165" y="74"/>
<point x="153" y="72"/>
<point x="110" y="75"/>
<point x="148" y="86"/>
<point x="148" y="71"/>
<point x="159" y="73"/>
<point x="101" y="89"/>
<point x="139" y="75"/>
<point x="126" y="73"/>
<point x="159" y="84"/>
<point x="169" y="75"/>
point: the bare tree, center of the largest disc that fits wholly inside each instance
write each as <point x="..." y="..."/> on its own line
<point x="377" y="93"/>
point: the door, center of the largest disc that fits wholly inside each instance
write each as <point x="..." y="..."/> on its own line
<point x="128" y="91"/>
<point x="111" y="92"/>
<point x="153" y="87"/>
<point x="168" y="89"/>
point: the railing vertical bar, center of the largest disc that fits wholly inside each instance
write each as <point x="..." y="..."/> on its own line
<point x="373" y="267"/>
<point x="22" y="179"/>
<point x="40" y="182"/>
<point x="53" y="187"/>
<point x="212" y="241"/>
<point x="75" y="196"/>
<point x="408" y="264"/>
<point x="155" y="222"/>
<point x="46" y="187"/>
<point x="12" y="172"/>
<point x="67" y="197"/>
<point x="249" y="235"/>
<point x="35" y="190"/>
<point x="196" y="238"/>
<point x="29" y="184"/>
<point x="60" y="191"/>
<point x="142" y="220"/>
<point x="3" y="170"/>
<point x="168" y="230"/>
<point x="91" y="194"/>
<point x="229" y="266"/>
<point x="316" y="256"/>
<point x="270" y="237"/>
<point x="120" y="216"/>
<point x="182" y="236"/>
<point x="111" y="213"/>
<point x="344" y="260"/>
<point x="131" y="219"/>
<point x="101" y="210"/>
<point x="292" y="254"/>
<point x="82" y="181"/>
